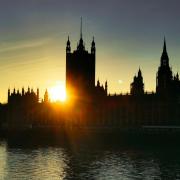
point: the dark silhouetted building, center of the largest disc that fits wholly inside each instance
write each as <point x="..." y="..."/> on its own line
<point x="94" y="107"/>
<point x="137" y="86"/>
<point x="80" y="69"/>
<point x="167" y="84"/>
<point x="164" y="77"/>
<point x="28" y="97"/>
<point x="100" y="90"/>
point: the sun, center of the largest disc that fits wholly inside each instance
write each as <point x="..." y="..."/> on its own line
<point x="57" y="92"/>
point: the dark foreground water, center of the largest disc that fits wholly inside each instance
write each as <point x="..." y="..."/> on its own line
<point x="85" y="160"/>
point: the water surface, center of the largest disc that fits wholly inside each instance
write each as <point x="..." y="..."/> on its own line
<point x="86" y="161"/>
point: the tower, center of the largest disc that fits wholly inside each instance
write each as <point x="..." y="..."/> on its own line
<point x="80" y="69"/>
<point x="46" y="97"/>
<point x="68" y="46"/>
<point x="37" y="94"/>
<point x="164" y="74"/>
<point x="137" y="86"/>
<point x="93" y="47"/>
<point x="106" y="87"/>
<point x="9" y="94"/>
<point x="23" y="91"/>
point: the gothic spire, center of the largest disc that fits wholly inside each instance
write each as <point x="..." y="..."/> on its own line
<point x="68" y="42"/>
<point x="164" y="56"/>
<point x="46" y="96"/>
<point x="93" y="48"/>
<point x="93" y="42"/>
<point x="81" y="29"/>
<point x="139" y="72"/>
<point x="68" y="46"/>
<point x="81" y="44"/>
<point x="98" y="83"/>
<point x="106" y="86"/>
<point x="177" y="76"/>
<point x="164" y="47"/>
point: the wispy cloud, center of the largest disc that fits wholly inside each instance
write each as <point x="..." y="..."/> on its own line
<point x="23" y="44"/>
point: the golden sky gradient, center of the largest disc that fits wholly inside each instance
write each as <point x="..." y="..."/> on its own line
<point x="128" y="34"/>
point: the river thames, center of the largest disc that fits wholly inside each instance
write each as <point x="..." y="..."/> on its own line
<point x="88" y="161"/>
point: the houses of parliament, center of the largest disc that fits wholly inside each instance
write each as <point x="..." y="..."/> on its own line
<point x="93" y="106"/>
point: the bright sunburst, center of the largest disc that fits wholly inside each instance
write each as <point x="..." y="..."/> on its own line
<point x="57" y="92"/>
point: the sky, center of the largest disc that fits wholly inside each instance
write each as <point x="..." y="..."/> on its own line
<point x="128" y="34"/>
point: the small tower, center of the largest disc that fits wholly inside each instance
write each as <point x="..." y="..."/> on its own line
<point x="139" y="73"/>
<point x="93" y="47"/>
<point x="46" y="97"/>
<point x="177" y="76"/>
<point x="81" y="46"/>
<point x="23" y="91"/>
<point x="68" y="46"/>
<point x="106" y="87"/>
<point x="37" y="94"/>
<point x="164" y="56"/>
<point x="137" y="86"/>
<point x="9" y="94"/>
<point x="28" y="89"/>
<point x="98" y="83"/>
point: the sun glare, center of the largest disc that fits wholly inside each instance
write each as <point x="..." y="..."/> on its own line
<point x="57" y="92"/>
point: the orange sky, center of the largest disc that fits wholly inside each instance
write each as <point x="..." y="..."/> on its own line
<point x="128" y="34"/>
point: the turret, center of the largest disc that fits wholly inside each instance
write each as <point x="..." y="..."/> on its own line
<point x="37" y="94"/>
<point x="164" y="56"/>
<point x="46" y="96"/>
<point x="139" y="73"/>
<point x="9" y="94"/>
<point x="177" y="76"/>
<point x="106" y="87"/>
<point x="23" y="91"/>
<point x="93" y="47"/>
<point x="81" y="46"/>
<point x="68" y="46"/>
<point x="98" y="83"/>
<point x="137" y="86"/>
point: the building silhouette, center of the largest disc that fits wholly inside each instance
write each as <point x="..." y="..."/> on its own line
<point x="80" y="71"/>
<point x="80" y="68"/>
<point x="137" y="86"/>
<point x="24" y="97"/>
<point x="93" y="106"/>
<point x="29" y="97"/>
<point x="167" y="84"/>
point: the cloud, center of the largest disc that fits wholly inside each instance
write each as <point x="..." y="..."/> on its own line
<point x="23" y="44"/>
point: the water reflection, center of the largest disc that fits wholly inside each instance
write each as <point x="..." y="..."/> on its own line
<point x="3" y="157"/>
<point x="36" y="164"/>
<point x="86" y="161"/>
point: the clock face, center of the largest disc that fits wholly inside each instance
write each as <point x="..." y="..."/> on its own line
<point x="164" y="62"/>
